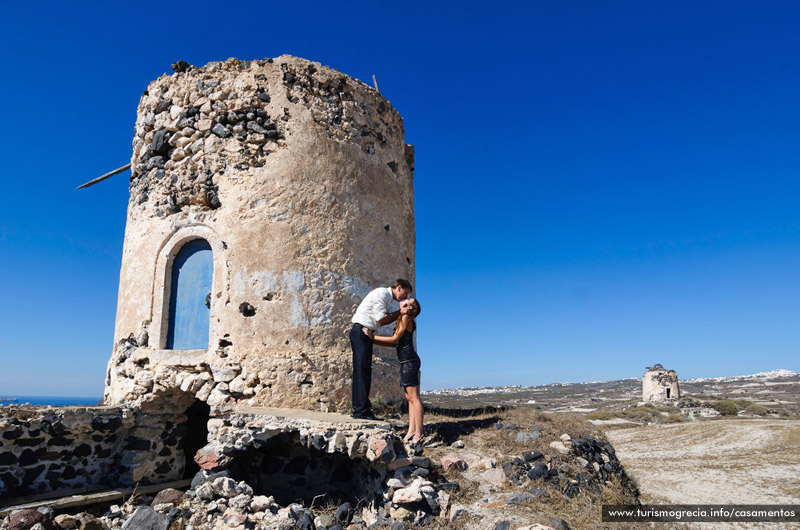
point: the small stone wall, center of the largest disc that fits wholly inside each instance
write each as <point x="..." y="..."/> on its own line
<point x="281" y="452"/>
<point x="293" y="456"/>
<point x="290" y="472"/>
<point x="152" y="452"/>
<point x="236" y="430"/>
<point x="45" y="449"/>
<point x="48" y="448"/>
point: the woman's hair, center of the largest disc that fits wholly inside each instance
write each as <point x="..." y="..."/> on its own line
<point x="416" y="309"/>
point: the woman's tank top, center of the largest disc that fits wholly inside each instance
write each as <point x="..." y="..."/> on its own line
<point x="405" y="347"/>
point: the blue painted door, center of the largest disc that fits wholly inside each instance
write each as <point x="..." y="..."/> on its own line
<point x="190" y="297"/>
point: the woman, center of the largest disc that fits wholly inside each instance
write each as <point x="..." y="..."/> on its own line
<point x="403" y="338"/>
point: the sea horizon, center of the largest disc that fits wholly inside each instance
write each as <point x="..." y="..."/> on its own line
<point x="58" y="401"/>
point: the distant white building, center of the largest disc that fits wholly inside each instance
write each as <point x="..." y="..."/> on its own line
<point x="660" y="384"/>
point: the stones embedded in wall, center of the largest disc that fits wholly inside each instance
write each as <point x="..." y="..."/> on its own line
<point x="335" y="107"/>
<point x="202" y="125"/>
<point x="45" y="449"/>
<point x="283" y="456"/>
<point x="150" y="378"/>
<point x="48" y="449"/>
<point x="194" y="129"/>
<point x="153" y="450"/>
<point x="291" y="458"/>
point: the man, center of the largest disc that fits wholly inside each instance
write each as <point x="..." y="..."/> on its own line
<point x="372" y="313"/>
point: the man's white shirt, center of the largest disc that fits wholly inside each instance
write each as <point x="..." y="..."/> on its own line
<point x="378" y="303"/>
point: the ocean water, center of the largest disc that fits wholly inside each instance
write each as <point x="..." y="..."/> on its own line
<point x="49" y="400"/>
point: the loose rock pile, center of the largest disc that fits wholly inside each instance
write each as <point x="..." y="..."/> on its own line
<point x="577" y="464"/>
<point x="218" y="501"/>
<point x="570" y="467"/>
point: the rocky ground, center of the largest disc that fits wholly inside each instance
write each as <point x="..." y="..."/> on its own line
<point x="512" y="469"/>
<point x="544" y="459"/>
<point x="728" y="440"/>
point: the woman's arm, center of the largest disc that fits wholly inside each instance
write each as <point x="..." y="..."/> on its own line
<point x="399" y="329"/>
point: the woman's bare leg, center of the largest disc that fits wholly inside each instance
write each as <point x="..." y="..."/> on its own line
<point x="414" y="411"/>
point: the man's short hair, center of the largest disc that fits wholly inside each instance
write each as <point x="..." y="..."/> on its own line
<point x="405" y="284"/>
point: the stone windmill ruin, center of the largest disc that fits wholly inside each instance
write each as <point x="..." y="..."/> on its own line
<point x="266" y="199"/>
<point x="660" y="384"/>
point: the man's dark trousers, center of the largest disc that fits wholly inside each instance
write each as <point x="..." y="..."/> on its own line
<point x="362" y="369"/>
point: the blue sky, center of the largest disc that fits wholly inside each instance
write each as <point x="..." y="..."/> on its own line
<point x="600" y="186"/>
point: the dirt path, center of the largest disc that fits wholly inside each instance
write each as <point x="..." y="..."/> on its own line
<point x="714" y="462"/>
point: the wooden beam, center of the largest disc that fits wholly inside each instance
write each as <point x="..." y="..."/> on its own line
<point x="57" y="494"/>
<point x="103" y="177"/>
<point x="72" y="501"/>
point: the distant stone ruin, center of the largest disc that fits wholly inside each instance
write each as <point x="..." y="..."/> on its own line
<point x="659" y="384"/>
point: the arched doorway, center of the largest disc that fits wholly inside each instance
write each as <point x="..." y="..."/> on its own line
<point x="190" y="297"/>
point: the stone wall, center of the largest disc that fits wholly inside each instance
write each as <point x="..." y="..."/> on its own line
<point x="288" y="456"/>
<point x="45" y="449"/>
<point x="299" y="178"/>
<point x="48" y="449"/>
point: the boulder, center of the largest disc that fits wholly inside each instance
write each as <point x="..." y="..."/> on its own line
<point x="558" y="524"/>
<point x="408" y="494"/>
<point x="524" y="437"/>
<point x="145" y="518"/>
<point x="67" y="522"/>
<point x="559" y="447"/>
<point x="531" y="456"/>
<point x="88" y="521"/>
<point x="227" y="487"/>
<point x="210" y="459"/>
<point x="519" y="498"/>
<point x="538" y="470"/>
<point x="452" y="463"/>
<point x="379" y="448"/>
<point x="234" y="519"/>
<point x="168" y="496"/>
<point x="261" y="503"/>
<point x="204" y="492"/>
<point x="26" y="519"/>
<point x="495" y="477"/>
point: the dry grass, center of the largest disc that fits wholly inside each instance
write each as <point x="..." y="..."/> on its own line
<point x="481" y="438"/>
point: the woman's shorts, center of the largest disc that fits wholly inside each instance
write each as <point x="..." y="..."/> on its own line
<point x="409" y="370"/>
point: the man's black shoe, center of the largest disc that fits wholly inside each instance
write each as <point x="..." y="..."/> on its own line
<point x="366" y="416"/>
